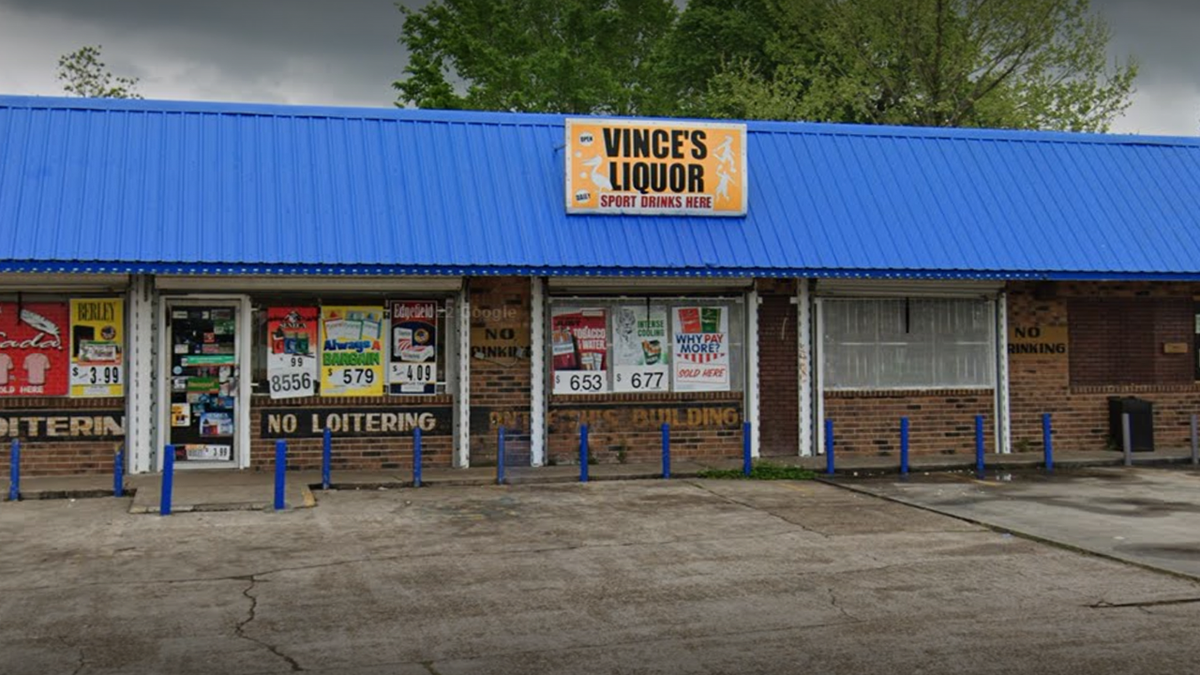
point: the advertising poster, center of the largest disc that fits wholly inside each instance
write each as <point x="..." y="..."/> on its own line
<point x="97" y="347"/>
<point x="701" y="349"/>
<point x="641" y="351"/>
<point x="655" y="168"/>
<point x="413" y="364"/>
<point x="34" y="355"/>
<point x="579" y="349"/>
<point x="292" y="359"/>
<point x="352" y="350"/>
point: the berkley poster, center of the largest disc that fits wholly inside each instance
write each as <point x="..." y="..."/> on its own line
<point x="655" y="168"/>
<point x="412" y="368"/>
<point x="292" y="358"/>
<point x="641" y="351"/>
<point x="579" y="349"/>
<point x="97" y="347"/>
<point x="701" y="349"/>
<point x="351" y="350"/>
<point x="34" y="355"/>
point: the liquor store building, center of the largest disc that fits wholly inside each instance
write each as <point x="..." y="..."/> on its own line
<point x="218" y="276"/>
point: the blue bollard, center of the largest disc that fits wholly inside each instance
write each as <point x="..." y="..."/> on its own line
<point x="14" y="471"/>
<point x="666" y="450"/>
<point x="747" y="461"/>
<point x="583" y="453"/>
<point x="417" y="457"/>
<point x="1048" y="442"/>
<point x="979" y="445"/>
<point x="326" y="458"/>
<point x="280" y="470"/>
<point x="500" y="458"/>
<point x="829" y="447"/>
<point x="119" y="473"/>
<point x="903" y="446"/>
<point x="168" y="481"/>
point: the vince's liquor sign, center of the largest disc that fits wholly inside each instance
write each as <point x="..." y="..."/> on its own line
<point x="655" y="168"/>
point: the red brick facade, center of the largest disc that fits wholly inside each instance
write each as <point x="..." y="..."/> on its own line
<point x="778" y="377"/>
<point x="939" y="421"/>
<point x="500" y="384"/>
<point x="47" y="445"/>
<point x="1139" y="318"/>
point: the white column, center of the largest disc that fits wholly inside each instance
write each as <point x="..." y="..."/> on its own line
<point x="818" y="369"/>
<point x="804" y="370"/>
<point x="537" y="375"/>
<point x="141" y="440"/>
<point x="1001" y="406"/>
<point x="752" y="369"/>
<point x="462" y="449"/>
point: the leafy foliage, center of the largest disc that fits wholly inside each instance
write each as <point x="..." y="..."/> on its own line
<point x="82" y="73"/>
<point x="572" y="56"/>
<point x="1013" y="64"/>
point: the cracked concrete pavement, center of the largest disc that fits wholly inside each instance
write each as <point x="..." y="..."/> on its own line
<point x="618" y="577"/>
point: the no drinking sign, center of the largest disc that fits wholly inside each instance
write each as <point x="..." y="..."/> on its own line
<point x="655" y="168"/>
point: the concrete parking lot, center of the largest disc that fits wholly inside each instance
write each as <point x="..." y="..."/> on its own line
<point x="1147" y="516"/>
<point x="618" y="577"/>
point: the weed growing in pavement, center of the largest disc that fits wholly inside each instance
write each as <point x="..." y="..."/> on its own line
<point x="762" y="471"/>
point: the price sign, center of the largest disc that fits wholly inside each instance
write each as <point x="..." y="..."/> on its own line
<point x="292" y="360"/>
<point x="96" y="376"/>
<point x="352" y="350"/>
<point x="412" y="377"/>
<point x="580" y="382"/>
<point x="640" y="378"/>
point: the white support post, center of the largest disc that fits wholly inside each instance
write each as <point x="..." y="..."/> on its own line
<point x="462" y="449"/>
<point x="1003" y="422"/>
<point x="804" y="331"/>
<point x="818" y="369"/>
<point x="752" y="370"/>
<point x="537" y="375"/>
<point x="140" y="436"/>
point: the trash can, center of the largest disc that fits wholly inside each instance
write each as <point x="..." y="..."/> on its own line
<point x="1141" y="423"/>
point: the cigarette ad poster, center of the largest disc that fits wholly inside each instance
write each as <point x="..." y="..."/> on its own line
<point x="352" y="350"/>
<point x="641" y="351"/>
<point x="34" y="354"/>
<point x="655" y="168"/>
<point x="97" y="347"/>
<point x="579" y="350"/>
<point x="701" y="349"/>
<point x="292" y="357"/>
<point x="412" y="368"/>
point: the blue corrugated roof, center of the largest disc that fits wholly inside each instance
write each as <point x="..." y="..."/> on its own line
<point x="156" y="186"/>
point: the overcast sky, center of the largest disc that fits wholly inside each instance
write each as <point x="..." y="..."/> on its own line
<point x="344" y="52"/>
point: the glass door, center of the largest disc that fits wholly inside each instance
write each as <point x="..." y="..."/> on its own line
<point x="204" y="366"/>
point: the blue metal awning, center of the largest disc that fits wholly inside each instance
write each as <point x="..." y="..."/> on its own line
<point x="181" y="187"/>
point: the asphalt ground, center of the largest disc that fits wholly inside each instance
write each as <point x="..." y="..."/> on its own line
<point x="1147" y="516"/>
<point x="615" y="577"/>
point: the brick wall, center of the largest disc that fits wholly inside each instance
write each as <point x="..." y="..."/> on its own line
<point x="500" y="387"/>
<point x="369" y="448"/>
<point x="1071" y="387"/>
<point x="60" y="454"/>
<point x="779" y="398"/>
<point x="939" y="421"/>
<point x="628" y="427"/>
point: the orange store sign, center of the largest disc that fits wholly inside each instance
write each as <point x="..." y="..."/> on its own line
<point x="656" y="168"/>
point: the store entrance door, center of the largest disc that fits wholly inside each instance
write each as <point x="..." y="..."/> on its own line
<point x="204" y="361"/>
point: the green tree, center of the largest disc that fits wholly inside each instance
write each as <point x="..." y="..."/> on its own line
<point x="572" y="56"/>
<point x="1012" y="64"/>
<point x="82" y="73"/>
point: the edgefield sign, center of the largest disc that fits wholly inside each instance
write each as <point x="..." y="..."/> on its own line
<point x="656" y="168"/>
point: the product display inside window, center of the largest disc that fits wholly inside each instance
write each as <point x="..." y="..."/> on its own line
<point x="907" y="343"/>
<point x="645" y="345"/>
<point x="350" y="347"/>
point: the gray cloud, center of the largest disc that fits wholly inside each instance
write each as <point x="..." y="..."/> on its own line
<point x="346" y="53"/>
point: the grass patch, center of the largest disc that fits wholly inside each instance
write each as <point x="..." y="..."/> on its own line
<point x="762" y="471"/>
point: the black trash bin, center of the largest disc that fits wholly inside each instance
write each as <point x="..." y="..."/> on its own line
<point x="1141" y="423"/>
